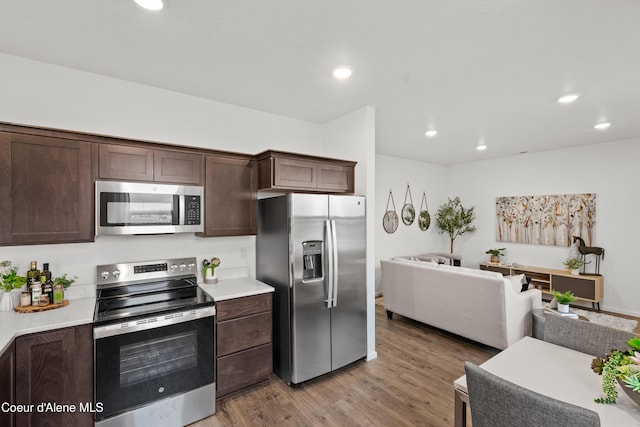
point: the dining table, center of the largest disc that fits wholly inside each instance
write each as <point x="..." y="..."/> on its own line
<point x="554" y="371"/>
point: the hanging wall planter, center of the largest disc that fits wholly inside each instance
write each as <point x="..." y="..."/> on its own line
<point x="408" y="211"/>
<point x="424" y="219"/>
<point x="390" y="219"/>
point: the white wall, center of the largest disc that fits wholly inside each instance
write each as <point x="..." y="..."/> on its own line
<point x="352" y="136"/>
<point x="40" y="94"/>
<point x="393" y="173"/>
<point x="610" y="170"/>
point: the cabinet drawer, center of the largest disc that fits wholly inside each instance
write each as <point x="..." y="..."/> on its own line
<point x="245" y="306"/>
<point x="243" y="333"/>
<point x="581" y="288"/>
<point x="243" y="369"/>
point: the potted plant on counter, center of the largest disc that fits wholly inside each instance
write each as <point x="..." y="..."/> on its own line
<point x="9" y="280"/>
<point x="495" y="255"/>
<point x="573" y="265"/>
<point x="563" y="300"/>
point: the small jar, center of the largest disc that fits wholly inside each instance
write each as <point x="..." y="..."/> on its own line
<point x="25" y="299"/>
<point x="44" y="300"/>
<point x="58" y="294"/>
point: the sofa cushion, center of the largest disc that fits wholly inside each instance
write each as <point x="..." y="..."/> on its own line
<point x="515" y="282"/>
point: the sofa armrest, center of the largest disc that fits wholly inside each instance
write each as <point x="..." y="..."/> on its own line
<point x="518" y="308"/>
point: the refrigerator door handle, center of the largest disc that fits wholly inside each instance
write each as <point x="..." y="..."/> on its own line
<point x="329" y="255"/>
<point x="334" y="255"/>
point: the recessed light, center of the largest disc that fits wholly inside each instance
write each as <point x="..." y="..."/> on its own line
<point x="431" y="133"/>
<point x="602" y="125"/>
<point x="150" y="4"/>
<point x="342" y="73"/>
<point x="481" y="146"/>
<point x="568" y="98"/>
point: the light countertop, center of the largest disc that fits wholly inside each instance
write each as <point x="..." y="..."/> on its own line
<point x="78" y="312"/>
<point x="235" y="288"/>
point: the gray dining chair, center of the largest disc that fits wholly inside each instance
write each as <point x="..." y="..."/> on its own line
<point x="583" y="336"/>
<point x="496" y="402"/>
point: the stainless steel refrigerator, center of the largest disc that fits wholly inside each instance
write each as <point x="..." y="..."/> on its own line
<point x="311" y="249"/>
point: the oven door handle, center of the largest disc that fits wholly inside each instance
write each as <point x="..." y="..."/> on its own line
<point x="152" y="322"/>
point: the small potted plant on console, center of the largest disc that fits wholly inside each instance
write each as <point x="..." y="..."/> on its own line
<point x="563" y="300"/>
<point x="495" y="255"/>
<point x="573" y="265"/>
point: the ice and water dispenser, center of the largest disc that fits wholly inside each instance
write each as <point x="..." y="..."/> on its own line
<point x="312" y="260"/>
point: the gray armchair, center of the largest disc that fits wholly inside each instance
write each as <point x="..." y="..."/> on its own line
<point x="495" y="402"/>
<point x="583" y="336"/>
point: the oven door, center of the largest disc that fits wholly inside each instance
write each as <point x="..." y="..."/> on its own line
<point x="151" y="359"/>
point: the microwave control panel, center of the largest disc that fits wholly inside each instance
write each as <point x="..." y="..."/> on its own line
<point x="192" y="210"/>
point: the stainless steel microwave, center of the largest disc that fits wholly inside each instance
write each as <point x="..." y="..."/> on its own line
<point x="148" y="208"/>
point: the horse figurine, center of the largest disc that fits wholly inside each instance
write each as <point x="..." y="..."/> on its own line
<point x="586" y="250"/>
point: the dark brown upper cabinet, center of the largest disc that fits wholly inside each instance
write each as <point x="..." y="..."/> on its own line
<point x="282" y="171"/>
<point x="230" y="196"/>
<point x="45" y="189"/>
<point x="132" y="163"/>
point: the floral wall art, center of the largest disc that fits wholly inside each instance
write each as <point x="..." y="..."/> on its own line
<point x="546" y="220"/>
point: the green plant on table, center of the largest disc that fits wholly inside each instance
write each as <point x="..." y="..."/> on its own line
<point x="624" y="365"/>
<point x="573" y="263"/>
<point x="496" y="252"/>
<point x="563" y="298"/>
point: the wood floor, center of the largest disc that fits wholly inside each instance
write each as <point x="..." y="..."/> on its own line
<point x="409" y="384"/>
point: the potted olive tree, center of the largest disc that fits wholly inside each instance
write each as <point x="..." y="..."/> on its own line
<point x="454" y="219"/>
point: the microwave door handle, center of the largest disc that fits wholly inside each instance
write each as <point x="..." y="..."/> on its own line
<point x="181" y="210"/>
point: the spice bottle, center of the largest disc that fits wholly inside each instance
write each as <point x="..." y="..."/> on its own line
<point x="25" y="299"/>
<point x="58" y="293"/>
<point x="36" y="291"/>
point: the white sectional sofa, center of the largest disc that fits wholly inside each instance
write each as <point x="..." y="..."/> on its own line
<point x="479" y="305"/>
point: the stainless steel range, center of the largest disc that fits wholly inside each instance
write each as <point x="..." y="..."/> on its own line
<point x="154" y="344"/>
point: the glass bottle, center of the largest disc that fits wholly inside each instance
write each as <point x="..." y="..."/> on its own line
<point x="36" y="291"/>
<point x="33" y="273"/>
<point x="47" y="283"/>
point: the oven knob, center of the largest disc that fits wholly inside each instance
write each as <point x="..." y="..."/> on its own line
<point x="183" y="266"/>
<point x="191" y="265"/>
<point x="116" y="273"/>
<point x="104" y="275"/>
<point x="173" y="267"/>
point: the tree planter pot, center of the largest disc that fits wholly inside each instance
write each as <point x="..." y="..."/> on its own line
<point x="575" y="271"/>
<point x="563" y="308"/>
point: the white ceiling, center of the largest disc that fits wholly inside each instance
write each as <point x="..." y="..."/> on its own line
<point x="473" y="69"/>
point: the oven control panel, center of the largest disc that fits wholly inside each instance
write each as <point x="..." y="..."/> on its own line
<point x="110" y="274"/>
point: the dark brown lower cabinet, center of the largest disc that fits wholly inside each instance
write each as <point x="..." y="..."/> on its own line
<point x="243" y="340"/>
<point x="7" y="384"/>
<point x="55" y="367"/>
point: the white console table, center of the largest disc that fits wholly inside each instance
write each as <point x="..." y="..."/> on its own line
<point x="567" y="376"/>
